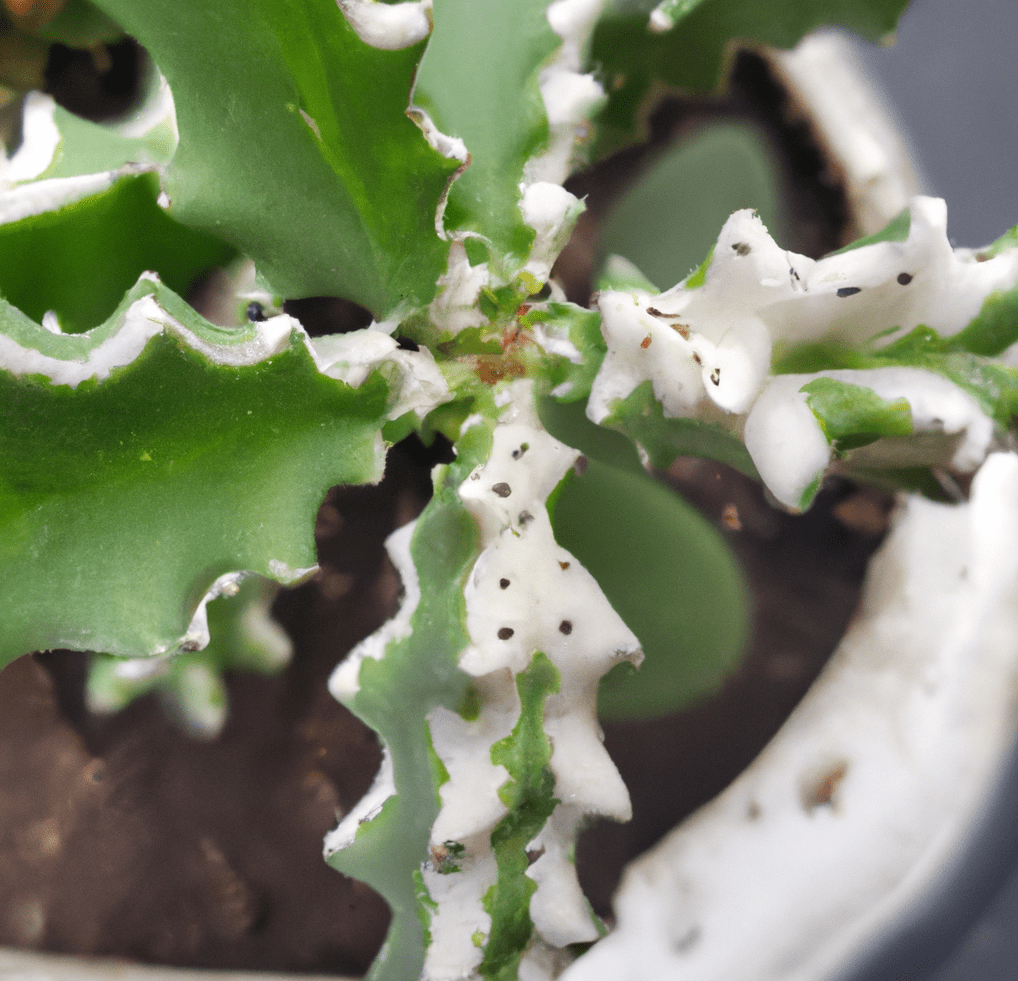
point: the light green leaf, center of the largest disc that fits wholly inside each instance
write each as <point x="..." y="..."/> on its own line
<point x="295" y="146"/>
<point x="671" y="578"/>
<point x="478" y="82"/>
<point x="853" y="415"/>
<point x="151" y="456"/>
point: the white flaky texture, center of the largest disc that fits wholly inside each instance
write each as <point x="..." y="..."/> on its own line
<point x="524" y="595"/>
<point x="416" y="383"/>
<point x="390" y="27"/>
<point x="855" y="809"/>
<point x="707" y="350"/>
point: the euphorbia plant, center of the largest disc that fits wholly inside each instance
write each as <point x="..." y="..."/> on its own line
<point x="411" y="158"/>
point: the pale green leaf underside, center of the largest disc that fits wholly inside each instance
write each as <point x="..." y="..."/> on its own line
<point x="122" y="500"/>
<point x="295" y="146"/>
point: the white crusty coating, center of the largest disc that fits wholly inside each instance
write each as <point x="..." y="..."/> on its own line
<point x="709" y="348"/>
<point x="390" y="27"/>
<point x="525" y="594"/>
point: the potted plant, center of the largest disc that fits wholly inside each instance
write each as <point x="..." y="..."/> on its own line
<point x="411" y="159"/>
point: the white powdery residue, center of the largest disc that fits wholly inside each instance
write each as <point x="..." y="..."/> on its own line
<point x="287" y="575"/>
<point x="870" y="791"/>
<point x="366" y="809"/>
<point x="570" y="98"/>
<point x="143" y="320"/>
<point x="414" y="376"/>
<point x="38" y="197"/>
<point x="459" y="917"/>
<point x="790" y="450"/>
<point x="449" y="146"/>
<point x="525" y="594"/>
<point x="710" y="346"/>
<point x="455" y="306"/>
<point x="559" y="904"/>
<point x="51" y="323"/>
<point x="554" y="338"/>
<point x="474" y="419"/>
<point x="39" y="141"/>
<point x="196" y="637"/>
<point x="390" y="27"/>
<point x="344" y="683"/>
<point x="552" y="212"/>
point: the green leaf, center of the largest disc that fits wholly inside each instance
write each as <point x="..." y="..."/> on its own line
<point x="995" y="327"/>
<point x="209" y="451"/>
<point x="80" y="260"/>
<point x="530" y="796"/>
<point x="853" y="415"/>
<point x="896" y="230"/>
<point x="992" y="384"/>
<point x="669" y="575"/>
<point x="85" y="147"/>
<point x="478" y="81"/>
<point x="571" y="377"/>
<point x="396" y="694"/>
<point x="295" y="146"/>
<point x="691" y="56"/>
<point x="640" y="417"/>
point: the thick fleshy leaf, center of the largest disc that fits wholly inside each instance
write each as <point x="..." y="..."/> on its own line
<point x="478" y="81"/>
<point x="141" y="462"/>
<point x="395" y="694"/>
<point x="692" y="55"/>
<point x="295" y="146"/>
